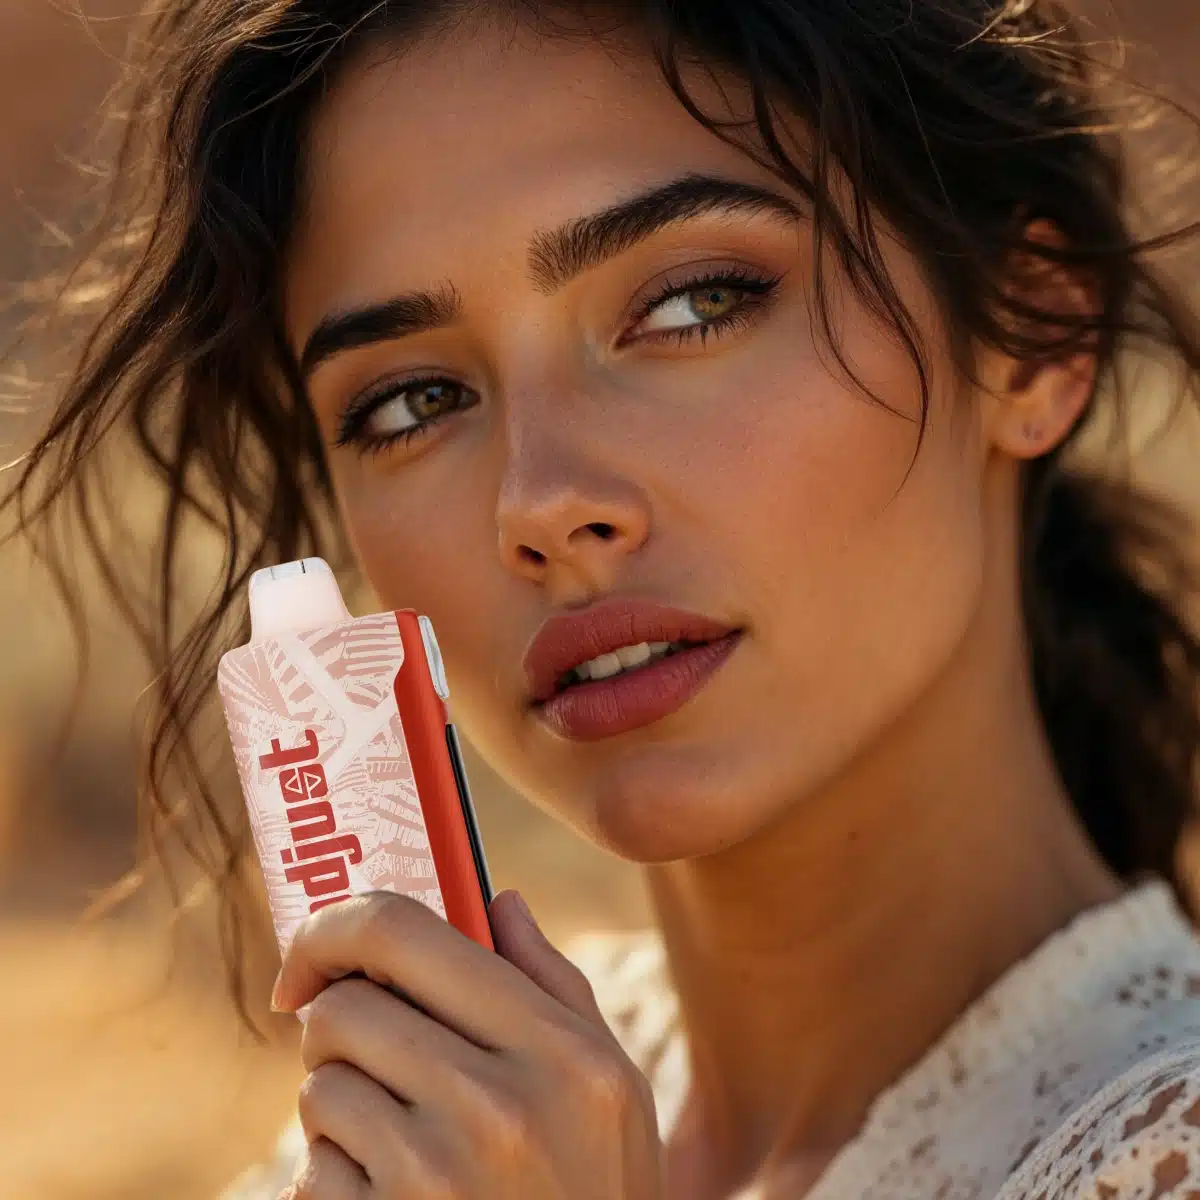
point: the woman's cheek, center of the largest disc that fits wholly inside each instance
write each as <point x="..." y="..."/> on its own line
<point x="892" y="606"/>
<point x="862" y="556"/>
<point x="438" y="558"/>
<point x="410" y="540"/>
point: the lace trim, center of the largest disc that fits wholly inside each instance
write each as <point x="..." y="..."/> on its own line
<point x="1137" y="1139"/>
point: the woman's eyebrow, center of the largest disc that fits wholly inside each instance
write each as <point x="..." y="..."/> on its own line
<point x="555" y="257"/>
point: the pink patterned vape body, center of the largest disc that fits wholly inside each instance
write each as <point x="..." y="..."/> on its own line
<point x="320" y="750"/>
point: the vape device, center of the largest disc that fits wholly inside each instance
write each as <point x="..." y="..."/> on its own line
<point x="350" y="766"/>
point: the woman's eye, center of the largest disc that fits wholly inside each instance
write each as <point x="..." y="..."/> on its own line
<point x="706" y="306"/>
<point x="401" y="411"/>
<point x="414" y="405"/>
<point x="698" y="305"/>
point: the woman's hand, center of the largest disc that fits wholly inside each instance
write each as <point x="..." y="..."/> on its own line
<point x="452" y="1072"/>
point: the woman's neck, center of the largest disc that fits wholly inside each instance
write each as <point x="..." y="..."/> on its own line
<point x="818" y="961"/>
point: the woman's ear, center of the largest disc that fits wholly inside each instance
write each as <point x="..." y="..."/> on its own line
<point x="1035" y="403"/>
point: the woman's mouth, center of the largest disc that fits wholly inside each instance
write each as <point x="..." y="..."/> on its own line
<point x="621" y="660"/>
<point x="621" y="665"/>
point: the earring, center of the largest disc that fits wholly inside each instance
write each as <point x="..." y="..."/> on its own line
<point x="1032" y="432"/>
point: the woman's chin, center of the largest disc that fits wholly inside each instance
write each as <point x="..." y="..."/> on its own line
<point x="687" y="791"/>
<point x="687" y="808"/>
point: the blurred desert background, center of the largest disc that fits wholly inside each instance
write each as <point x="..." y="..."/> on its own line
<point x="127" y="1075"/>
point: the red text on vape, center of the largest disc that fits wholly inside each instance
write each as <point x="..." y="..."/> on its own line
<point x="319" y="857"/>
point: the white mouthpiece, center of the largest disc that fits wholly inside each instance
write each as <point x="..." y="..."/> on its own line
<point x="294" y="596"/>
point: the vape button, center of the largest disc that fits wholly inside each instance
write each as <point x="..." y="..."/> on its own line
<point x="433" y="656"/>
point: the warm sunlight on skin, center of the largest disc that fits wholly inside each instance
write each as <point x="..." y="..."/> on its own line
<point x="871" y="742"/>
<point x="743" y="479"/>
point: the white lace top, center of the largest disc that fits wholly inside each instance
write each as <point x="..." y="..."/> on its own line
<point x="1075" y="1077"/>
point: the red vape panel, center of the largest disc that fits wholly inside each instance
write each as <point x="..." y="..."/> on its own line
<point x="441" y="784"/>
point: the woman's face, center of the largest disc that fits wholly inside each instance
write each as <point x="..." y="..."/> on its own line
<point x="624" y="413"/>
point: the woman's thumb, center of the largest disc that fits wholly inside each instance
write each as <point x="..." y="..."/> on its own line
<point x="519" y="939"/>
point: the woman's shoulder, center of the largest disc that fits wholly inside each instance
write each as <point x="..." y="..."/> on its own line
<point x="1135" y="1138"/>
<point x="1121" y="1088"/>
<point x="1082" y="1058"/>
<point x="1130" y="1127"/>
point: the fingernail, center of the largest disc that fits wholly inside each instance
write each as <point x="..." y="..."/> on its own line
<point x="275" y="1007"/>
<point x="523" y="909"/>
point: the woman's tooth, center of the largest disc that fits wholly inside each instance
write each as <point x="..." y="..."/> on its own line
<point x="603" y="666"/>
<point x="634" y="656"/>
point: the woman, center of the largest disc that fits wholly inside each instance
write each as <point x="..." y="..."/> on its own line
<point x="763" y="330"/>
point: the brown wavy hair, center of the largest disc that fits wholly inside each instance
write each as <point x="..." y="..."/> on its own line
<point x="960" y="123"/>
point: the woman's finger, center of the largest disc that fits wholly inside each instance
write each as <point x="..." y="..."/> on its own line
<point x="415" y="1058"/>
<point x="397" y="941"/>
<point x="328" y="1174"/>
<point x="359" y="1115"/>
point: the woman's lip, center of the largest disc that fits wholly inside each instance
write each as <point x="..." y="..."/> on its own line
<point x="568" y="639"/>
<point x="601" y="708"/>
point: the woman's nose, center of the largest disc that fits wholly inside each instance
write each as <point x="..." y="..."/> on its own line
<point x="567" y="530"/>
